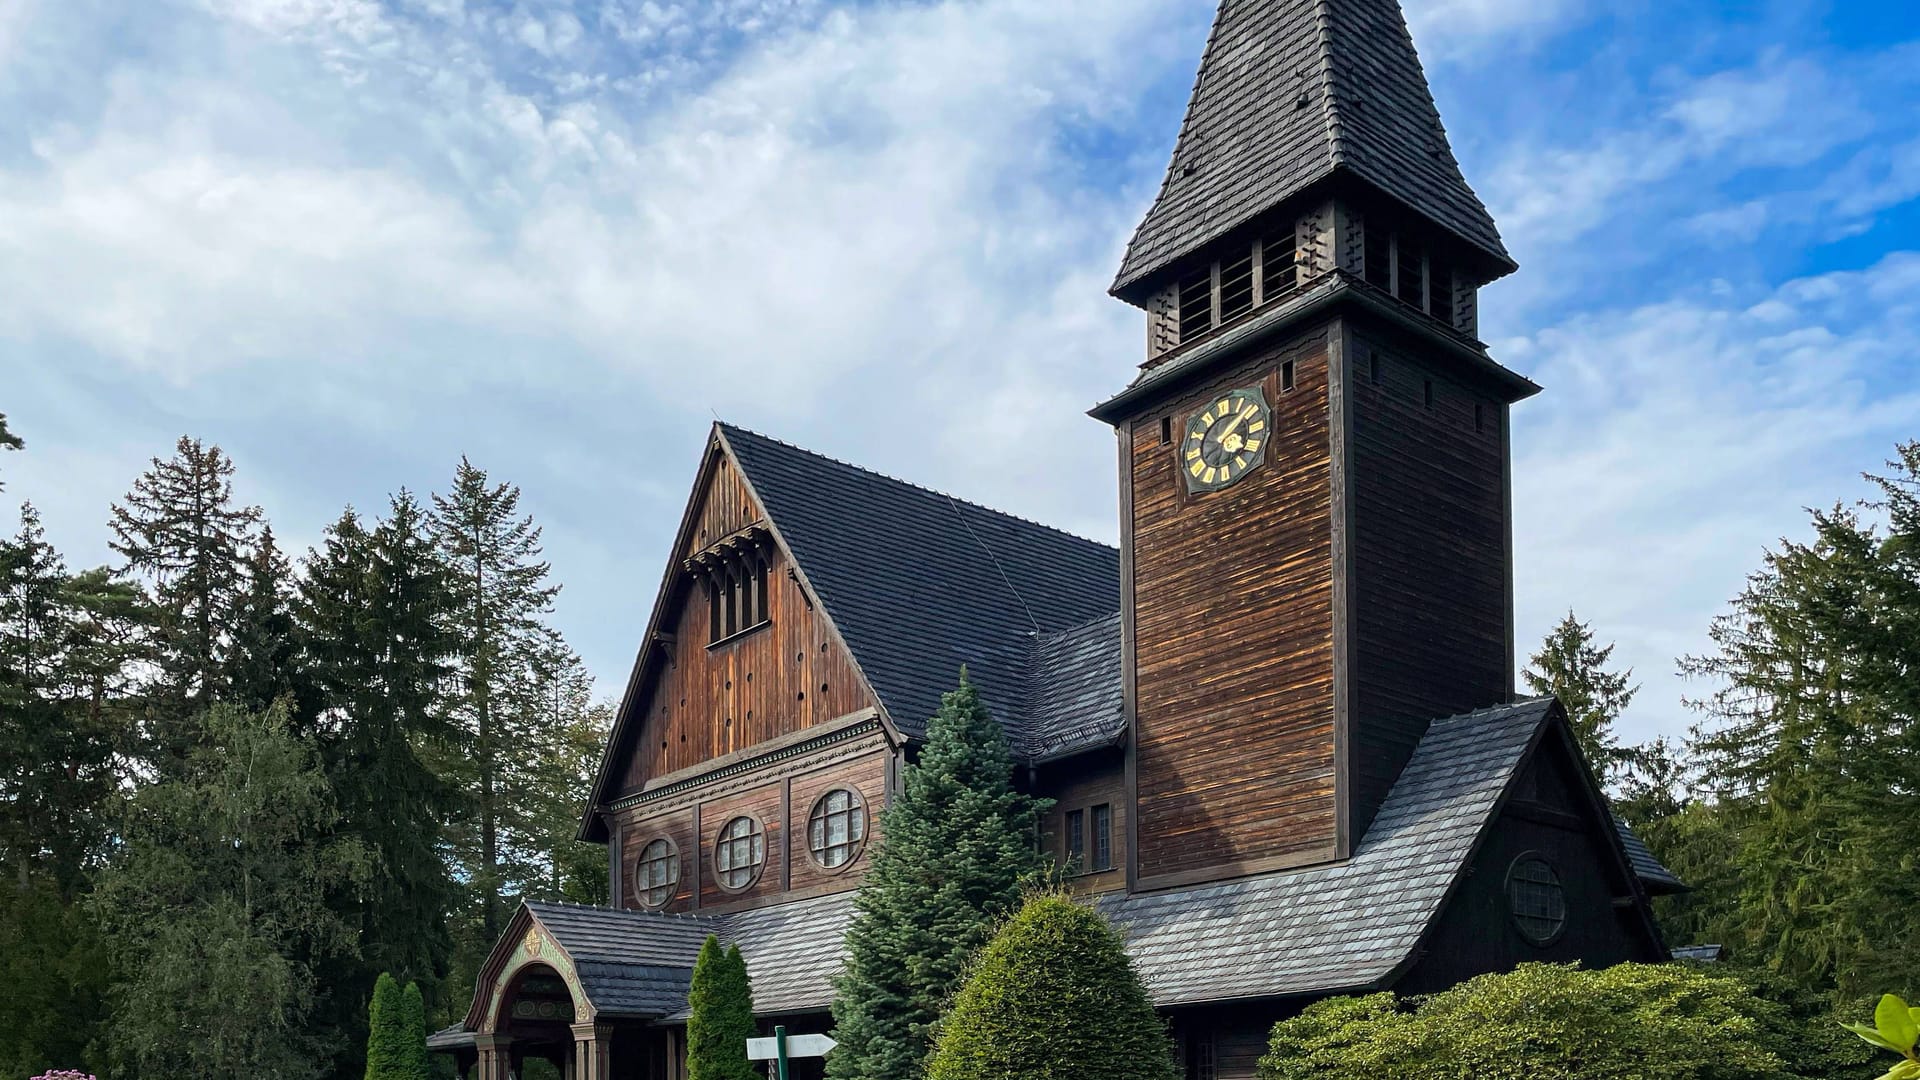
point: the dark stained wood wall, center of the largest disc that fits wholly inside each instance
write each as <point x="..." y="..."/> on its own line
<point x="780" y="791"/>
<point x="1232" y="627"/>
<point x="1081" y="783"/>
<point x="1429" y="561"/>
<point x="1476" y="934"/>
<point x="704" y="701"/>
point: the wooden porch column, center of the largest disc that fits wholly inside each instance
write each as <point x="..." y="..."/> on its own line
<point x="592" y="1051"/>
<point x="495" y="1057"/>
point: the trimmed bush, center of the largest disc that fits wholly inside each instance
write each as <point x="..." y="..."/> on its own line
<point x="1053" y="997"/>
<point x="387" y="1054"/>
<point x="720" y="1018"/>
<point x="418" y="1063"/>
<point x="1541" y="1022"/>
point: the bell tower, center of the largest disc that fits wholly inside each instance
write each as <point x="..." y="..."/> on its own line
<point x="1314" y="457"/>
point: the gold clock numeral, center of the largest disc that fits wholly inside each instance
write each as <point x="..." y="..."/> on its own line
<point x="1241" y="461"/>
<point x="1193" y="452"/>
<point x="1197" y="466"/>
<point x="1252" y="445"/>
<point x="1209" y="475"/>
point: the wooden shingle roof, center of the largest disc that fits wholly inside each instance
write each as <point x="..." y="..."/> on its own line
<point x="919" y="583"/>
<point x="1290" y="93"/>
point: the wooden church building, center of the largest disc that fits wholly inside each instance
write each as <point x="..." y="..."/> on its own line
<point x="1278" y="723"/>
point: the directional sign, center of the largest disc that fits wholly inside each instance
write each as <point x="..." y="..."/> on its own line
<point x="798" y="1046"/>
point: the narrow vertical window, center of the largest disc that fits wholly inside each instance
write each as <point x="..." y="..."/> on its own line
<point x="713" y="610"/>
<point x="1201" y="1064"/>
<point x="1236" y="287"/>
<point x="1196" y="304"/>
<point x="1278" y="272"/>
<point x="1373" y="367"/>
<point x="1166" y="430"/>
<point x="1439" y="288"/>
<point x="1076" y="838"/>
<point x="1377" y="252"/>
<point x="1479" y="417"/>
<point x="1103" y="837"/>
<point x="761" y="611"/>
<point x="1286" y="375"/>
<point x="1411" y="260"/>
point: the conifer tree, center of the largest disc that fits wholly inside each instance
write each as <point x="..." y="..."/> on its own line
<point x="215" y="897"/>
<point x="1053" y="996"/>
<point x="720" y="1015"/>
<point x="371" y="617"/>
<point x="957" y="847"/>
<point x="8" y="440"/>
<point x="419" y="1062"/>
<point x="262" y="658"/>
<point x="180" y="530"/>
<point x="505" y="656"/>
<point x="387" y="1031"/>
<point x="1571" y="667"/>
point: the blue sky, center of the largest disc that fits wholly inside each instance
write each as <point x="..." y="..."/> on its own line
<point x="352" y="240"/>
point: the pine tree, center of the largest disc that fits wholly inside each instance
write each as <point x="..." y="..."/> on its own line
<point x="262" y="659"/>
<point x="956" y="850"/>
<point x="180" y="529"/>
<point x="1571" y="667"/>
<point x="371" y="613"/>
<point x="215" y="896"/>
<point x="1811" y="747"/>
<point x="505" y="655"/>
<point x="1053" y="996"/>
<point x="8" y="440"/>
<point x="720" y="1015"/>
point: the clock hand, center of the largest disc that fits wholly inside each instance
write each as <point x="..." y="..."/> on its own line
<point x="1228" y="430"/>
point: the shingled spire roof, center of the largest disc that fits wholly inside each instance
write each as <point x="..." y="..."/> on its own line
<point x="1290" y="93"/>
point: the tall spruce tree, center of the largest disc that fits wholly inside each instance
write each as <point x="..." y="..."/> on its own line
<point x="1810" y="744"/>
<point x="371" y="616"/>
<point x="181" y="531"/>
<point x="956" y="850"/>
<point x="1573" y="668"/>
<point x="216" y="895"/>
<point x="720" y="1015"/>
<point x="262" y="660"/>
<point x="8" y="440"/>
<point x="505" y="657"/>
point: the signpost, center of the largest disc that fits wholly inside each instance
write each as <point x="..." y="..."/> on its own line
<point x="779" y="1048"/>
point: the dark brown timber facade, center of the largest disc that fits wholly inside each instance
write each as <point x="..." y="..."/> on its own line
<point x="1277" y="723"/>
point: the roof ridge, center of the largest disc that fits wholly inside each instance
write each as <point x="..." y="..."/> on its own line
<point x="1081" y="625"/>
<point x="982" y="507"/>
<point x="1489" y="710"/>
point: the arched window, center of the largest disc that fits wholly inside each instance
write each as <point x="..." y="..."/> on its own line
<point x="836" y="828"/>
<point x="740" y="853"/>
<point x="656" y="876"/>
<point x="1536" y="900"/>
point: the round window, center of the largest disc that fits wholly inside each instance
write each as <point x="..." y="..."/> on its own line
<point x="739" y="853"/>
<point x="656" y="876"/>
<point x="836" y="828"/>
<point x="1536" y="900"/>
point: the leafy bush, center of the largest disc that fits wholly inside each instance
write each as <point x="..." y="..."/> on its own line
<point x="1540" y="1022"/>
<point x="1896" y="1027"/>
<point x="387" y="1031"/>
<point x="1052" y="997"/>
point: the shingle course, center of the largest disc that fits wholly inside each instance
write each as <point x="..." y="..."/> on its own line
<point x="1289" y="92"/>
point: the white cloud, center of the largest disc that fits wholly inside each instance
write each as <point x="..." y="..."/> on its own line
<point x="1676" y="441"/>
<point x="1458" y="29"/>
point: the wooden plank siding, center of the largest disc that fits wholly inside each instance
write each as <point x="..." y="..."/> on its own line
<point x="1082" y="783"/>
<point x="1231" y="629"/>
<point x="1429" y="561"/>
<point x="706" y="701"/>
<point x="780" y="791"/>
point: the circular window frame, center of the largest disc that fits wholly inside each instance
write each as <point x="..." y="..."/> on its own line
<point x="854" y="848"/>
<point x="640" y="888"/>
<point x="760" y="868"/>
<point x="1513" y="916"/>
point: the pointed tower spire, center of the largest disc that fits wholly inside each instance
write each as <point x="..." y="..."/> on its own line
<point x="1295" y="96"/>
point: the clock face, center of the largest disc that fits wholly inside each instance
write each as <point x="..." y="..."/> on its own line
<point x="1224" y="439"/>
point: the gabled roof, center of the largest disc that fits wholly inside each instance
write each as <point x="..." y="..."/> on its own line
<point x="1348" y="925"/>
<point x="919" y="583"/>
<point x="1659" y="880"/>
<point x="1289" y="93"/>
